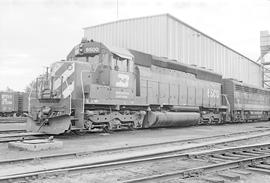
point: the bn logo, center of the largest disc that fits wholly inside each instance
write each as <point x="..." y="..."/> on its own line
<point x="123" y="80"/>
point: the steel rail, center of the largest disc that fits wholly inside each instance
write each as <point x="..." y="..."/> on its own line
<point x="253" y="148"/>
<point x="4" y="138"/>
<point x="11" y="131"/>
<point x="13" y="120"/>
<point x="15" y="139"/>
<point x="20" y="135"/>
<point x="202" y="170"/>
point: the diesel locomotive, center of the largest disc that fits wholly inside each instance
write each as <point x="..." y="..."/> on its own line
<point x="100" y="87"/>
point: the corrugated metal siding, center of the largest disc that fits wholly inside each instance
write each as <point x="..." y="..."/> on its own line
<point x="143" y="34"/>
<point x="204" y="52"/>
<point x="165" y="36"/>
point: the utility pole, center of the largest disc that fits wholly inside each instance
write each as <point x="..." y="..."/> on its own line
<point x="265" y="49"/>
<point x="117" y="9"/>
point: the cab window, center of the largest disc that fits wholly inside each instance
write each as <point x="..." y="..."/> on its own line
<point x="105" y="59"/>
<point x="120" y="64"/>
<point x="94" y="59"/>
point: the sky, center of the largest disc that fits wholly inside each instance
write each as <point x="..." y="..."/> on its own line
<point x="36" y="33"/>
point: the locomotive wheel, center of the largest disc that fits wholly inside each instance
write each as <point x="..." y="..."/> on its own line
<point x="106" y="129"/>
<point x="219" y="121"/>
<point x="201" y="122"/>
<point x="80" y="132"/>
<point x="211" y="120"/>
<point x="131" y="127"/>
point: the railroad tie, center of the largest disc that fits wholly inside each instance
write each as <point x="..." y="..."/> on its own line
<point x="213" y="179"/>
<point x="230" y="176"/>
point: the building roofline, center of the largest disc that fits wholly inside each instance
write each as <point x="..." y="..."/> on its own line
<point x="124" y="20"/>
<point x="176" y="19"/>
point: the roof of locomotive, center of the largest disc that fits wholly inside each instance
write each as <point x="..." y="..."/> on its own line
<point x="122" y="52"/>
<point x="147" y="60"/>
<point x="234" y="81"/>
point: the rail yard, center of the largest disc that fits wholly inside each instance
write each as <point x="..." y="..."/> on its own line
<point x="163" y="102"/>
<point x="198" y="154"/>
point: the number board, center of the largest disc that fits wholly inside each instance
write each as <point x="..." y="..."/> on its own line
<point x="92" y="50"/>
<point x="87" y="49"/>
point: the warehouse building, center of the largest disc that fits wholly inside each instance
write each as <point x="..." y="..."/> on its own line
<point x="166" y="36"/>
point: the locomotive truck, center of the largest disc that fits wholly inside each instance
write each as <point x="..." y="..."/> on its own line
<point x="108" y="88"/>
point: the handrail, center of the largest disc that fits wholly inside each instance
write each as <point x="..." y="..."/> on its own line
<point x="227" y="101"/>
<point x="29" y="98"/>
<point x="70" y="96"/>
<point x="83" y="88"/>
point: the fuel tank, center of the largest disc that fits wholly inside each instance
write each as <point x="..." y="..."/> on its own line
<point x="185" y="109"/>
<point x="170" y="119"/>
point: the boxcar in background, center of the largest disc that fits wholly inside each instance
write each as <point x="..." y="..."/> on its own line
<point x="13" y="103"/>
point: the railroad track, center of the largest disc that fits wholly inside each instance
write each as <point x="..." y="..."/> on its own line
<point x="252" y="157"/>
<point x="8" y="126"/>
<point x="231" y="156"/>
<point x="10" y="137"/>
<point x="11" y="131"/>
<point x="12" y="120"/>
<point x="234" y="137"/>
<point x="5" y="138"/>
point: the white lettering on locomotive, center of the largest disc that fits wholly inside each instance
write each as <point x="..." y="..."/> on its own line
<point x="123" y="80"/>
<point x="92" y="49"/>
<point x="121" y="94"/>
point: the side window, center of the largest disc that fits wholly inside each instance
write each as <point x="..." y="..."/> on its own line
<point x="114" y="64"/>
<point x="123" y="65"/>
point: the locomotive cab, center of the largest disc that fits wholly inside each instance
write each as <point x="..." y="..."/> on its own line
<point x="109" y="97"/>
<point x="111" y="68"/>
